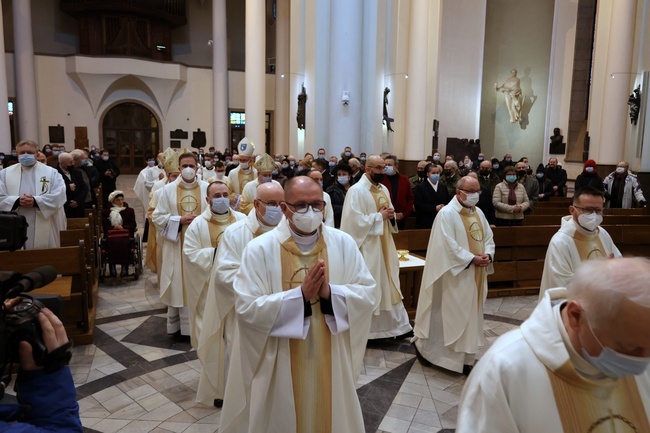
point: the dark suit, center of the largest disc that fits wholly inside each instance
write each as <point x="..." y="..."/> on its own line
<point x="558" y="177"/>
<point x="426" y="200"/>
<point x="78" y="195"/>
<point x="356" y="177"/>
<point x="402" y="199"/>
<point x="108" y="183"/>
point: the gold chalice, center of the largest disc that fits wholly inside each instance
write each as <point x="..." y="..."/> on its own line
<point x="402" y="255"/>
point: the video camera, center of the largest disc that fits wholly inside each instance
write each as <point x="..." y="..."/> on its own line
<point x="19" y="321"/>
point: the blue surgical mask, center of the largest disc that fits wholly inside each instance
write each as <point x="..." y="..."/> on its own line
<point x="275" y="172"/>
<point x="390" y="170"/>
<point x="495" y="166"/>
<point x="343" y="180"/>
<point x="57" y="152"/>
<point x="105" y="158"/>
<point x="480" y="158"/>
<point x="540" y="175"/>
<point x="332" y="164"/>
<point x="348" y="153"/>
<point x="151" y="163"/>
<point x="511" y="178"/>
<point x="266" y="179"/>
<point x="614" y="364"/>
<point x="27" y="159"/>
<point x="321" y="156"/>
<point x="589" y="169"/>
<point x="363" y="161"/>
<point x="285" y="165"/>
<point x="434" y="178"/>
<point x="436" y="158"/>
<point x="292" y="163"/>
<point x="273" y="215"/>
<point x="220" y="205"/>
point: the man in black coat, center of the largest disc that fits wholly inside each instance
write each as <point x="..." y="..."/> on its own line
<point x="430" y="196"/>
<point x="557" y="175"/>
<point x="75" y="187"/>
<point x="108" y="173"/>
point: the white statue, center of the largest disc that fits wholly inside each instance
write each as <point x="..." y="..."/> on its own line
<point x="514" y="98"/>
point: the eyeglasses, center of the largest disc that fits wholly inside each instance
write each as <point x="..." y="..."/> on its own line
<point x="303" y="207"/>
<point x="590" y="210"/>
<point x="269" y="203"/>
<point x="471" y="192"/>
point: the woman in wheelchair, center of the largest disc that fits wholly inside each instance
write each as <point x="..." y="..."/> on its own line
<point x="119" y="228"/>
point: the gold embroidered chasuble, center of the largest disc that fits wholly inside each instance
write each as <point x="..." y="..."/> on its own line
<point x="476" y="242"/>
<point x="311" y="361"/>
<point x="244" y="178"/>
<point x="589" y="246"/>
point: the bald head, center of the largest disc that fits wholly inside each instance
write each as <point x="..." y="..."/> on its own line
<point x="300" y="186"/>
<point x="374" y="160"/>
<point x="270" y="191"/>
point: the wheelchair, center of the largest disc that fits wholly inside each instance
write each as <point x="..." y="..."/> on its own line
<point x="118" y="248"/>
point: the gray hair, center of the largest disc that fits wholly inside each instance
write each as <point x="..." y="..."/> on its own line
<point x="354" y="163"/>
<point x="78" y="154"/>
<point x="27" y="143"/>
<point x="65" y="156"/>
<point x="601" y="286"/>
<point x="394" y="158"/>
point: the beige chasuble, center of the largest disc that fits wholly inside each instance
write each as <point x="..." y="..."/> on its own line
<point x="311" y="361"/>
<point x="188" y="199"/>
<point x="217" y="227"/>
<point x="589" y="246"/>
<point x="476" y="242"/>
<point x="244" y="178"/>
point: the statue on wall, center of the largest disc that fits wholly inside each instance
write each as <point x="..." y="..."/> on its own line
<point x="387" y="119"/>
<point x="557" y="147"/>
<point x="635" y="104"/>
<point x="300" y="114"/>
<point x="511" y="88"/>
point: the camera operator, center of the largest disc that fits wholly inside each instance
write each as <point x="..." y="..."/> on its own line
<point x="46" y="398"/>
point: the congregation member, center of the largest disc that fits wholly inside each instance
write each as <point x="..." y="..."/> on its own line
<point x="623" y="188"/>
<point x="119" y="216"/>
<point x="589" y="177"/>
<point x="558" y="177"/>
<point x="429" y="197"/>
<point x="179" y="202"/>
<point x="328" y="214"/>
<point x="347" y="154"/>
<point x="487" y="177"/>
<point x="217" y="336"/>
<point x="580" y="238"/>
<point x="287" y="168"/>
<point x="108" y="173"/>
<point x="449" y="318"/>
<point x="529" y="183"/>
<point x="243" y="171"/>
<point x="510" y="200"/>
<point x="358" y="170"/>
<point x="338" y="190"/>
<point x="545" y="190"/>
<point x="37" y="192"/>
<point x="323" y="167"/>
<point x="199" y="249"/>
<point x="420" y="175"/>
<point x="303" y="307"/>
<point x="89" y="175"/>
<point x="399" y="189"/>
<point x="450" y="176"/>
<point x="75" y="187"/>
<point x="578" y="364"/>
<point x="368" y="216"/>
<point x="264" y="166"/>
<point x="277" y="174"/>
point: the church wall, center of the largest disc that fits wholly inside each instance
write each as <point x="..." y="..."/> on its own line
<point x="517" y="35"/>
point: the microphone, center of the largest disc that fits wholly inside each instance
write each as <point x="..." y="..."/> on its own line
<point x="34" y="279"/>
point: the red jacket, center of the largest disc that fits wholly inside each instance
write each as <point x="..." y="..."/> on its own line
<point x="403" y="203"/>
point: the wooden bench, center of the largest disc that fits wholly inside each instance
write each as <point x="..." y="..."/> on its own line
<point x="72" y="285"/>
<point x="565" y="211"/>
<point x="70" y="238"/>
<point x="539" y="220"/>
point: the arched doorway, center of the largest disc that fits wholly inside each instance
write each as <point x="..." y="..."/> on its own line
<point x="131" y="135"/>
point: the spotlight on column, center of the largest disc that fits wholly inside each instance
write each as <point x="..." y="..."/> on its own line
<point x="210" y="42"/>
<point x="406" y="76"/>
<point x="345" y="98"/>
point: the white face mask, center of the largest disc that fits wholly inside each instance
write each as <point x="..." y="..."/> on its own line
<point x="220" y="205"/>
<point x="219" y="175"/>
<point x="620" y="170"/>
<point x="188" y="174"/>
<point x="208" y="165"/>
<point x="273" y="215"/>
<point x="590" y="221"/>
<point x="307" y="222"/>
<point x="471" y="200"/>
<point x="244" y="165"/>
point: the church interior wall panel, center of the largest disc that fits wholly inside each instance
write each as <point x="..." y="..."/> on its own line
<point x="517" y="35"/>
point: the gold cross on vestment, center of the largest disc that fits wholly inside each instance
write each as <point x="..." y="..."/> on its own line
<point x="188" y="204"/>
<point x="476" y="232"/>
<point x="44" y="183"/>
<point x="613" y="423"/>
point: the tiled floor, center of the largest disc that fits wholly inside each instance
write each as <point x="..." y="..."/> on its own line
<point x="136" y="378"/>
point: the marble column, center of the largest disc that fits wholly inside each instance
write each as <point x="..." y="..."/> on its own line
<point x="220" y="110"/>
<point x="26" y="102"/>
<point x="282" y="79"/>
<point x="5" y="133"/>
<point x="614" y="115"/>
<point x="256" y="74"/>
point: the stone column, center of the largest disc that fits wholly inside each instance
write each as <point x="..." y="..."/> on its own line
<point x="282" y="79"/>
<point x="26" y="102"/>
<point x="256" y="73"/>
<point x="220" y="110"/>
<point x="5" y="133"/>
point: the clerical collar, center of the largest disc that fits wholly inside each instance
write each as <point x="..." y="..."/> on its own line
<point x="221" y="217"/>
<point x="188" y="184"/>
<point x="305" y="243"/>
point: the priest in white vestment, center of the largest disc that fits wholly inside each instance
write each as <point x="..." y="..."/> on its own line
<point x="449" y="318"/>
<point x="578" y="364"/>
<point x="244" y="172"/>
<point x="37" y="192"/>
<point x="199" y="249"/>
<point x="369" y="217"/>
<point x="580" y="238"/>
<point x="178" y="204"/>
<point x="149" y="175"/>
<point x="264" y="165"/>
<point x="216" y="338"/>
<point x="304" y="299"/>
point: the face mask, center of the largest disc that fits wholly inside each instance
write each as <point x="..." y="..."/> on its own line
<point x="27" y="159"/>
<point x="208" y="165"/>
<point x="321" y="156"/>
<point x="320" y="182"/>
<point x="273" y="215"/>
<point x="461" y="165"/>
<point x="285" y="166"/>
<point x="511" y="178"/>
<point x="274" y="173"/>
<point x="57" y="152"/>
<point x="589" y="169"/>
<point x="420" y="174"/>
<point x="614" y="364"/>
<point x="227" y="159"/>
<point x="343" y="180"/>
<point x="332" y="164"/>
<point x="220" y="205"/>
<point x="307" y="222"/>
<point x="467" y="161"/>
<point x="480" y="158"/>
<point x="471" y="200"/>
<point x="434" y="178"/>
<point x="348" y="153"/>
<point x="620" y="170"/>
<point x="377" y="177"/>
<point x="436" y="158"/>
<point x="84" y="162"/>
<point x="244" y="165"/>
<point x="484" y="172"/>
<point x="2" y="157"/>
<point x="521" y="173"/>
<point x="266" y="179"/>
<point x="390" y="170"/>
<point x="105" y="158"/>
<point x="151" y="163"/>
<point x="47" y="150"/>
<point x="219" y="174"/>
<point x="495" y="166"/>
<point x="363" y="161"/>
<point x="508" y="159"/>
<point x="235" y="163"/>
<point x="14" y="153"/>
<point x="540" y="175"/>
<point x="188" y="174"/>
<point x="292" y="163"/>
<point x="590" y="221"/>
<point x="446" y="172"/>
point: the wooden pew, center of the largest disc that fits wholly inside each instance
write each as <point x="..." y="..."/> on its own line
<point x="565" y="211"/>
<point x="538" y="220"/>
<point x="70" y="238"/>
<point x="72" y="285"/>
